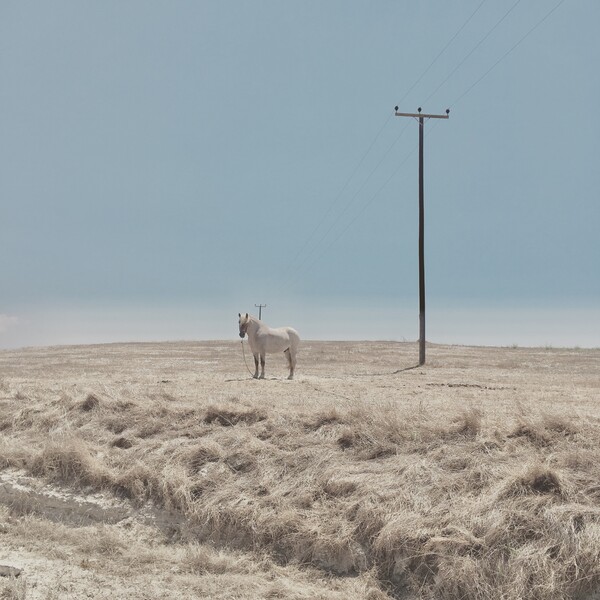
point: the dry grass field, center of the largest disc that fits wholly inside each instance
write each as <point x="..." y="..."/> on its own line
<point x="155" y="471"/>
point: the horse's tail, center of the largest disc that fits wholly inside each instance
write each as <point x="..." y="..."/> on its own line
<point x="294" y="338"/>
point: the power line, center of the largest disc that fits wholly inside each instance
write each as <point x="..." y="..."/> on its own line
<point x="442" y="51"/>
<point x="363" y="209"/>
<point x="485" y="37"/>
<point x="507" y="53"/>
<point x="481" y="41"/>
<point x="339" y="194"/>
<point x="300" y="269"/>
<point x="350" y="203"/>
<point x="360" y="162"/>
<point x="354" y="219"/>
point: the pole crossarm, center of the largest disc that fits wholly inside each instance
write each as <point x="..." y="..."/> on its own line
<point x="425" y="116"/>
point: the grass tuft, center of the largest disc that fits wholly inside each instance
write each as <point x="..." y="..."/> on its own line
<point x="227" y="417"/>
<point x="122" y="442"/>
<point x="205" y="452"/>
<point x="69" y="461"/>
<point x="533" y="432"/>
<point x="91" y="402"/>
<point x="536" y="479"/>
<point x="469" y="422"/>
<point x="330" y="416"/>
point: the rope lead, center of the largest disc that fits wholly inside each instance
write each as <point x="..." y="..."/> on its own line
<point x="244" y="354"/>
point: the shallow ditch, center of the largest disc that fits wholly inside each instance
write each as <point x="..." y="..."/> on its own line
<point x="26" y="495"/>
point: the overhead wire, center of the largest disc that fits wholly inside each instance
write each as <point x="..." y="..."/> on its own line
<point x="312" y="235"/>
<point x="462" y="62"/>
<point x="442" y="52"/>
<point x="332" y="243"/>
<point x="339" y="194"/>
<point x="370" y="201"/>
<point x="300" y="270"/>
<point x="507" y="53"/>
<point x="351" y="201"/>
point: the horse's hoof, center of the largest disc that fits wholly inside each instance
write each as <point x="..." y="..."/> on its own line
<point x="262" y="376"/>
<point x="290" y="377"/>
<point x="254" y="376"/>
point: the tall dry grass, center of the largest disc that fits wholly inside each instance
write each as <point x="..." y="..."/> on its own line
<point x="418" y="502"/>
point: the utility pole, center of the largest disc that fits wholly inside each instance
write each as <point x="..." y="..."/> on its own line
<point x="260" y="307"/>
<point x="421" y="118"/>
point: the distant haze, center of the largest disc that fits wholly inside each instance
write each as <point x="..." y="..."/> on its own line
<point x="502" y="327"/>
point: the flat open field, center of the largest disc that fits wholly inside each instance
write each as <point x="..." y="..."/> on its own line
<point x="154" y="471"/>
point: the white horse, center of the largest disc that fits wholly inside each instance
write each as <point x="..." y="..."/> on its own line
<point x="263" y="339"/>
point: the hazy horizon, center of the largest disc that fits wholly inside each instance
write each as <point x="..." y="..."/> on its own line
<point x="510" y="326"/>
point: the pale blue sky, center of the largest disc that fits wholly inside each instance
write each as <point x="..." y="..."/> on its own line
<point x="165" y="165"/>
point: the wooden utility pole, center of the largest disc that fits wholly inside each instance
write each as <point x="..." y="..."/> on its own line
<point x="260" y="307"/>
<point x="421" y="117"/>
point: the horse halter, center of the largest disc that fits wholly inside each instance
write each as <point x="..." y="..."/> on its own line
<point x="243" y="329"/>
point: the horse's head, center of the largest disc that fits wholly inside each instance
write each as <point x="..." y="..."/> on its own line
<point x="243" y="323"/>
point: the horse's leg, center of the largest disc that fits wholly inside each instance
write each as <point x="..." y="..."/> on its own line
<point x="293" y="355"/>
<point x="288" y="355"/>
<point x="255" y="366"/>
<point x="262" y="366"/>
